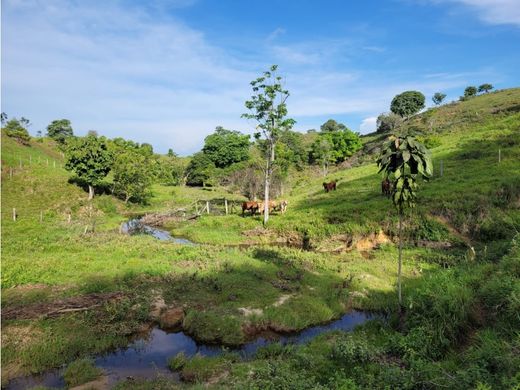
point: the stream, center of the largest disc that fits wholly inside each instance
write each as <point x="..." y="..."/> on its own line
<point x="134" y="226"/>
<point x="147" y="357"/>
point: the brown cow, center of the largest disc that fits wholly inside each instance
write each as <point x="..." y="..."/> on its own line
<point x="386" y="187"/>
<point x="250" y="206"/>
<point x="273" y="205"/>
<point x="330" y="186"/>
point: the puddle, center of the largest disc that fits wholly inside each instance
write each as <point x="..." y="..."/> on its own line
<point x="148" y="357"/>
<point x="135" y="226"/>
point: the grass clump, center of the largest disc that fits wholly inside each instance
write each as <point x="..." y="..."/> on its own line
<point x="81" y="371"/>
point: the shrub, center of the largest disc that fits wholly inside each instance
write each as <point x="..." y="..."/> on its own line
<point x="14" y="129"/>
<point x="177" y="362"/>
<point x="349" y="351"/>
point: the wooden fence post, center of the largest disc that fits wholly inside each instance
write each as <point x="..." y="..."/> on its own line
<point x="207" y="206"/>
<point x="14" y="214"/>
<point x="226" y="206"/>
<point x="69" y="217"/>
<point x="10" y="172"/>
<point x="499" y="156"/>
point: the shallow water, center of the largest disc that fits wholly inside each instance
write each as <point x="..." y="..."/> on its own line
<point x="148" y="357"/>
<point x="134" y="226"/>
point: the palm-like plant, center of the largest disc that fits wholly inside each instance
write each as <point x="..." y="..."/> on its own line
<point x="404" y="161"/>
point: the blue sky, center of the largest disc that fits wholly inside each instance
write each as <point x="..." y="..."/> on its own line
<point x="169" y="72"/>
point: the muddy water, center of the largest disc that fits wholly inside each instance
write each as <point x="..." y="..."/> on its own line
<point x="148" y="357"/>
<point x="134" y="226"/>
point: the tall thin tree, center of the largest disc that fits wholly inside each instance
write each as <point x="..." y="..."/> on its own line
<point x="267" y="106"/>
<point x="404" y="160"/>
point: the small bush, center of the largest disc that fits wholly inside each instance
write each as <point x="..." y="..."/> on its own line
<point x="14" y="129"/>
<point x="351" y="351"/>
<point x="81" y="371"/>
<point x="177" y="362"/>
<point x="430" y="230"/>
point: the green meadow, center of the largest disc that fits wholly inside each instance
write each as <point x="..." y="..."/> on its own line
<point x="461" y="269"/>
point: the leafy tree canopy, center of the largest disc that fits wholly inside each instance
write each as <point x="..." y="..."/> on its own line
<point x="132" y="178"/>
<point x="200" y="170"/>
<point x="470" y="91"/>
<point x="343" y="142"/>
<point x="90" y="158"/>
<point x="15" y="129"/>
<point x="60" y="130"/>
<point x="331" y="125"/>
<point x="407" y="103"/>
<point x="438" y="97"/>
<point x="404" y="160"/>
<point x="225" y="147"/>
<point x="486" y="87"/>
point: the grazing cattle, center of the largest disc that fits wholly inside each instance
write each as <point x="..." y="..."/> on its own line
<point x="250" y="206"/>
<point x="283" y="206"/>
<point x="330" y="186"/>
<point x="386" y="187"/>
<point x="273" y="205"/>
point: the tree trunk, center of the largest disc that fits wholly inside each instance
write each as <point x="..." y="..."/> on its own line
<point x="90" y="192"/>
<point x="268" y="172"/>
<point x="266" y="193"/>
<point x="400" y="261"/>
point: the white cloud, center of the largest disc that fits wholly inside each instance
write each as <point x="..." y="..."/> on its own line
<point x="494" y="11"/>
<point x="123" y="72"/>
<point x="123" y="76"/>
<point x="368" y="125"/>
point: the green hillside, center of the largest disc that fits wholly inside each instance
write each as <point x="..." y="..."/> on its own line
<point x="461" y="325"/>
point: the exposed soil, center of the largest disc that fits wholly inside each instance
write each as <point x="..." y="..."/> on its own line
<point x="59" y="307"/>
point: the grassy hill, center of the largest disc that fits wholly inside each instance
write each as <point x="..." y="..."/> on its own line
<point x="462" y="310"/>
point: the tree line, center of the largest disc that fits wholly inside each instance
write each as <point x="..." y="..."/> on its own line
<point x="409" y="103"/>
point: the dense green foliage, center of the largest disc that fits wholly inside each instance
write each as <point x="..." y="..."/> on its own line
<point x="90" y="159"/>
<point x="470" y="92"/>
<point x="14" y="129"/>
<point x="405" y="160"/>
<point x="200" y="171"/>
<point x="133" y="176"/>
<point x="486" y="87"/>
<point x="438" y="97"/>
<point x="59" y="130"/>
<point x="226" y="147"/>
<point x="335" y="146"/>
<point x="407" y="103"/>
